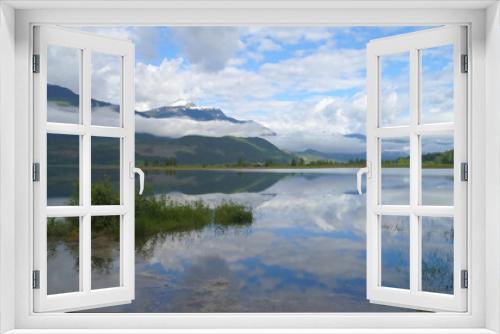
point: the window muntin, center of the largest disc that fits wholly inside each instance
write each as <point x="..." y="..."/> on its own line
<point x="72" y="151"/>
<point x="447" y="210"/>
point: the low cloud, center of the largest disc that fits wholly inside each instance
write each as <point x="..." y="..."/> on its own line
<point x="179" y="127"/>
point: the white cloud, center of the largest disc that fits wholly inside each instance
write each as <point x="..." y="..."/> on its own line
<point x="210" y="48"/>
<point x="267" y="45"/>
<point x="287" y="35"/>
<point x="178" y="127"/>
<point x="316" y="122"/>
<point x="145" y="39"/>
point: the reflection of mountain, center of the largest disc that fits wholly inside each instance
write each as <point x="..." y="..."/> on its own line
<point x="206" y="150"/>
<point x="203" y="182"/>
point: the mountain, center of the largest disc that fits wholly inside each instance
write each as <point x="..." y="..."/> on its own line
<point x="311" y="154"/>
<point x="190" y="110"/>
<point x="64" y="96"/>
<point x="179" y="109"/>
<point x="201" y="150"/>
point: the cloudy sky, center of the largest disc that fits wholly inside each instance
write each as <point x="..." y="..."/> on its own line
<point x="306" y="84"/>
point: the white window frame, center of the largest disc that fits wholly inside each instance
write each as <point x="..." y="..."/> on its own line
<point x="87" y="44"/>
<point x="413" y="43"/>
<point x="483" y="314"/>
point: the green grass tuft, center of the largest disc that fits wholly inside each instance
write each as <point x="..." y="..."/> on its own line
<point x="229" y="213"/>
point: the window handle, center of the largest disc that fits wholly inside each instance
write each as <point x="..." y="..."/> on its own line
<point x="365" y="170"/>
<point x="134" y="170"/>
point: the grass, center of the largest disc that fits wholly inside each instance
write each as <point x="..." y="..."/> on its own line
<point x="230" y="213"/>
<point x="154" y="217"/>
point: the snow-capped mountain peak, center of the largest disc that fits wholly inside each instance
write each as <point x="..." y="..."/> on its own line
<point x="182" y="103"/>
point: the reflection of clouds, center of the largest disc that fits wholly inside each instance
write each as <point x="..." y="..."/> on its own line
<point x="62" y="269"/>
<point x="292" y="230"/>
<point x="395" y="186"/>
<point x="437" y="254"/>
<point x="305" y="251"/>
<point x="251" y="200"/>
<point x="437" y="186"/>
<point x="395" y="248"/>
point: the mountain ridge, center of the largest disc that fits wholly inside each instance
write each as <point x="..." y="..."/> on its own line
<point x="187" y="110"/>
<point x="203" y="150"/>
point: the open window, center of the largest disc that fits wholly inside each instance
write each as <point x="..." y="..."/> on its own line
<point x="416" y="122"/>
<point x="81" y="138"/>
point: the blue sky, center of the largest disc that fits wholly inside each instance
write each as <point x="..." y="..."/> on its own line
<point x="306" y="84"/>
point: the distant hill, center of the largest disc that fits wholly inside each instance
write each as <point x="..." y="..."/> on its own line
<point x="190" y="150"/>
<point x="310" y="155"/>
<point x="64" y="96"/>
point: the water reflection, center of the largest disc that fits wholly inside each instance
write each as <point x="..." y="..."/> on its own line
<point x="304" y="252"/>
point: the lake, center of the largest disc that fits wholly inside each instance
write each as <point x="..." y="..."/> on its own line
<point x="304" y="252"/>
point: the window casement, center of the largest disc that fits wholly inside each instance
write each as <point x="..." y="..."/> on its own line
<point x="87" y="136"/>
<point x="397" y="66"/>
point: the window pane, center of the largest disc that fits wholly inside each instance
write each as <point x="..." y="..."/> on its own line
<point x="63" y="239"/>
<point x="437" y="254"/>
<point x="106" y="171"/>
<point x="436" y="88"/>
<point x="106" y="89"/>
<point x="394" y="89"/>
<point x="63" y="84"/>
<point x="63" y="169"/>
<point x="437" y="170"/>
<point x="105" y="251"/>
<point x="395" y="175"/>
<point x="395" y="239"/>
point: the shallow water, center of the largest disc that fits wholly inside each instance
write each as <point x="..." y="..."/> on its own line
<point x="304" y="252"/>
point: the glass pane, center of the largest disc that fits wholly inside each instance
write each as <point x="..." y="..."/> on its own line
<point x="395" y="89"/>
<point x="105" y="251"/>
<point x="106" y="89"/>
<point x="63" y="84"/>
<point x="436" y="88"/>
<point x="63" y="169"/>
<point x="437" y="170"/>
<point x="395" y="239"/>
<point x="105" y="171"/>
<point x="437" y="254"/>
<point x="395" y="175"/>
<point x="63" y="237"/>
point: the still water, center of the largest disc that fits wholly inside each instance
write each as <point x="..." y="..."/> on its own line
<point x="304" y="252"/>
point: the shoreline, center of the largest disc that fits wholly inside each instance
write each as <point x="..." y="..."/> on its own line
<point x="255" y="168"/>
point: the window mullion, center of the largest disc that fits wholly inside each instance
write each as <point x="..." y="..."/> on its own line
<point x="414" y="172"/>
<point x="86" y="181"/>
